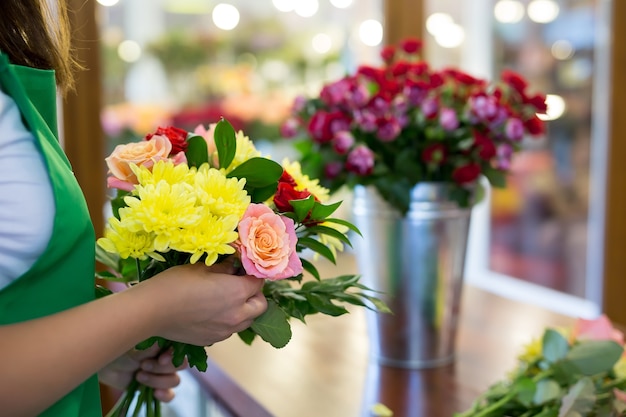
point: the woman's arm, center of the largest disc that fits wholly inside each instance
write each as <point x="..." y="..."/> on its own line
<point x="42" y="360"/>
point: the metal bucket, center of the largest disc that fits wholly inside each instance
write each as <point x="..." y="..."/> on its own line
<point x="417" y="262"/>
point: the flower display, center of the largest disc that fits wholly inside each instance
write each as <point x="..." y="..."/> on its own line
<point x="578" y="371"/>
<point x="209" y="196"/>
<point x="403" y="122"/>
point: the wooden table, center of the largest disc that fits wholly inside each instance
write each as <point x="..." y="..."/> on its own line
<point x="325" y="370"/>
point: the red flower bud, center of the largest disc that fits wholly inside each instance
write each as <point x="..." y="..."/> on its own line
<point x="411" y="45"/>
<point x="466" y="174"/>
<point x="177" y="137"/>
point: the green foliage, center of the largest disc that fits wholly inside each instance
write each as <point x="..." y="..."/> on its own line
<point x="568" y="379"/>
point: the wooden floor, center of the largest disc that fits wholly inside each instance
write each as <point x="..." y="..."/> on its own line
<point x="325" y="371"/>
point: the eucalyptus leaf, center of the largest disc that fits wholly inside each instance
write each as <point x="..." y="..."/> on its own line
<point x="547" y="390"/>
<point x="225" y="142"/>
<point x="554" y="345"/>
<point x="594" y="356"/>
<point x="525" y="388"/>
<point x="579" y="400"/>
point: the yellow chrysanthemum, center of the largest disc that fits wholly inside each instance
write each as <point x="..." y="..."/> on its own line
<point x="118" y="239"/>
<point x="212" y="236"/>
<point x="303" y="182"/>
<point x="531" y="351"/>
<point x="163" y="209"/>
<point x="245" y="151"/>
<point x="220" y="195"/>
<point x="163" y="171"/>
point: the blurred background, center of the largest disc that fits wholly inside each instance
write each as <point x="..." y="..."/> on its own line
<point x="186" y="62"/>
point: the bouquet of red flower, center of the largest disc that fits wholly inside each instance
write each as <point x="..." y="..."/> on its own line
<point x="209" y="196"/>
<point x="402" y="123"/>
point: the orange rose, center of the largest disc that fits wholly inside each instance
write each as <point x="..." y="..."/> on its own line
<point x="144" y="153"/>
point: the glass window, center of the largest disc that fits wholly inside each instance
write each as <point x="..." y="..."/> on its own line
<point x="532" y="239"/>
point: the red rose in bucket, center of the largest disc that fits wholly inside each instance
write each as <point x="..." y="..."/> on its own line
<point x="403" y="122"/>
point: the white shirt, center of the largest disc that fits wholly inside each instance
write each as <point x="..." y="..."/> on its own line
<point x="26" y="196"/>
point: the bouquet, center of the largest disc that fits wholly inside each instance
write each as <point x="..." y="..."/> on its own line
<point x="567" y="373"/>
<point x="393" y="126"/>
<point x="209" y="196"/>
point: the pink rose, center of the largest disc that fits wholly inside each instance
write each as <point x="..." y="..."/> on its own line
<point x="267" y="244"/>
<point x="144" y="153"/>
<point x="598" y="329"/>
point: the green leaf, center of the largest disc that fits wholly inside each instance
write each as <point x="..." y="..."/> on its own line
<point x="149" y="342"/>
<point x="525" y="388"/>
<point x="579" y="400"/>
<point x="258" y="172"/>
<point x="273" y="326"/>
<point x="325" y="230"/>
<point x="107" y="259"/>
<point x="321" y="211"/>
<point x="554" y="345"/>
<point x="324" y="305"/>
<point x="262" y="194"/>
<point x="345" y="223"/>
<point x="197" y="152"/>
<point x="225" y="143"/>
<point x="547" y="390"/>
<point x="318" y="247"/>
<point x="247" y="336"/>
<point x="496" y="177"/>
<point x="196" y="356"/>
<point x="102" y="291"/>
<point x="302" y="207"/>
<point x="594" y="356"/>
<point x="310" y="268"/>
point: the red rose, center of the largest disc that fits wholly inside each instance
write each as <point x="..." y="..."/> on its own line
<point x="400" y="68"/>
<point x="434" y="154"/>
<point x="466" y="174"/>
<point x="178" y="137"/>
<point x="285" y="193"/>
<point x="323" y="125"/>
<point x="411" y="45"/>
<point x="535" y="126"/>
<point x="388" y="53"/>
<point x="485" y="146"/>
<point x="375" y="74"/>
<point x="538" y="101"/>
<point x="515" y="80"/>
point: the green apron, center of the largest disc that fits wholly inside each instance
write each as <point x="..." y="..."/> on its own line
<point x="63" y="277"/>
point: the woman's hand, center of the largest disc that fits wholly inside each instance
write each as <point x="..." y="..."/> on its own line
<point x="148" y="367"/>
<point x="200" y="305"/>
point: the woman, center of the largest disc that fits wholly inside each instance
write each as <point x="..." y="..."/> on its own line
<point x="54" y="337"/>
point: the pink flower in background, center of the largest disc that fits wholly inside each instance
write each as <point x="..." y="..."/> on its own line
<point x="342" y="142"/>
<point x="448" y="119"/>
<point x="597" y="329"/>
<point x="360" y="160"/>
<point x="514" y="129"/>
<point x="267" y="244"/>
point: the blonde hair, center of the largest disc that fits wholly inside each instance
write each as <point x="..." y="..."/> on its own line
<point x="36" y="33"/>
